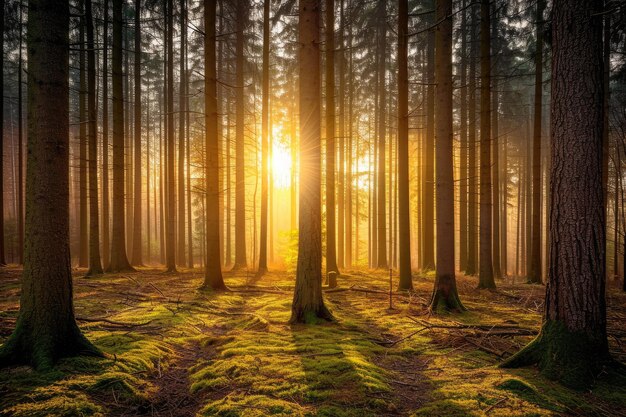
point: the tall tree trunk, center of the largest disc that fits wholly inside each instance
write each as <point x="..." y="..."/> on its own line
<point x="240" y="176"/>
<point x="83" y="248"/>
<point x="95" y="264"/>
<point x="265" y="139"/>
<point x="463" y="174"/>
<point x="46" y="329"/>
<point x="20" y="149"/>
<point x="106" y="244"/>
<point x="136" y="258"/>
<point x="308" y="302"/>
<point x="331" y="249"/>
<point x="213" y="270"/>
<point x="2" y="190"/>
<point x="534" y="274"/>
<point x="382" y="129"/>
<point x="472" y="226"/>
<point x="406" y="283"/>
<point x="485" y="276"/>
<point x="119" y="261"/>
<point x="428" y="202"/>
<point x="572" y="346"/>
<point x="182" y="113"/>
<point x="445" y="295"/>
<point x="170" y="241"/>
<point x="495" y="151"/>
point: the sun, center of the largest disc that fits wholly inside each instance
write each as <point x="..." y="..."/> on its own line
<point x="281" y="165"/>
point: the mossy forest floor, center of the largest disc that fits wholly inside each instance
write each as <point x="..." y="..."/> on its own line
<point x="175" y="351"/>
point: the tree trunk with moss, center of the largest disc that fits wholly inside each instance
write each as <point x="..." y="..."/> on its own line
<point x="213" y="270"/>
<point x="445" y="295"/>
<point x="119" y="259"/>
<point x="46" y="329"/>
<point x="308" y="302"/>
<point x="572" y="345"/>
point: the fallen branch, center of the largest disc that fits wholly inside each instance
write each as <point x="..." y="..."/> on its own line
<point x="113" y="322"/>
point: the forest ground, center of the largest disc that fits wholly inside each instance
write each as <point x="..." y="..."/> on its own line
<point x="175" y="351"/>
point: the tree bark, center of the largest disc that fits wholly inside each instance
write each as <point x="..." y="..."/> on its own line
<point x="406" y="282"/>
<point x="2" y="252"/>
<point x="463" y="174"/>
<point x="213" y="270"/>
<point x="331" y="248"/>
<point x="83" y="234"/>
<point x="534" y="274"/>
<point x="485" y="276"/>
<point x="95" y="264"/>
<point x="308" y="302"/>
<point x="445" y="295"/>
<point x="472" y="226"/>
<point x="265" y="139"/>
<point x="46" y="329"/>
<point x="182" y="142"/>
<point x="240" y="176"/>
<point x="106" y="244"/>
<point x="428" y="202"/>
<point x="137" y="258"/>
<point x="170" y="240"/>
<point x="572" y="346"/>
<point x="381" y="213"/>
<point x="119" y="261"/>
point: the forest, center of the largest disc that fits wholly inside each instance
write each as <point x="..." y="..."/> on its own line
<point x="309" y="208"/>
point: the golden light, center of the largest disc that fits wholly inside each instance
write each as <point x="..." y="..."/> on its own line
<point x="281" y="165"/>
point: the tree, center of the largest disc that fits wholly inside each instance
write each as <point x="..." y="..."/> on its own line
<point x="46" y="329"/>
<point x="572" y="346"/>
<point x="463" y="174"/>
<point x="265" y="139"/>
<point x="213" y="269"/>
<point x="382" y="129"/>
<point x="406" y="282"/>
<point x="331" y="246"/>
<point x="2" y="257"/>
<point x="308" y="301"/>
<point x="240" y="175"/>
<point x="182" y="117"/>
<point x="472" y="227"/>
<point x="119" y="260"/>
<point x="105" y="137"/>
<point x="83" y="249"/>
<point x="445" y="293"/>
<point x="136" y="257"/>
<point x="95" y="264"/>
<point x="534" y="274"/>
<point x="428" y="218"/>
<point x="170" y="241"/>
<point x="485" y="274"/>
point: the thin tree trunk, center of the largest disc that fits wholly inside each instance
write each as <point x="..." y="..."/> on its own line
<point x="472" y="226"/>
<point x="170" y="241"/>
<point x="265" y="139"/>
<point x="485" y="276"/>
<point x="182" y="113"/>
<point x="406" y="282"/>
<point x="382" y="130"/>
<point x="495" y="151"/>
<point x="2" y="189"/>
<point x="428" y="202"/>
<point x="95" y="265"/>
<point x="83" y="248"/>
<point x="463" y="175"/>
<point x="106" y="244"/>
<point x="213" y="270"/>
<point x="534" y="273"/>
<point x="331" y="250"/>
<point x="119" y="261"/>
<point x="240" y="177"/>
<point x="136" y="258"/>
